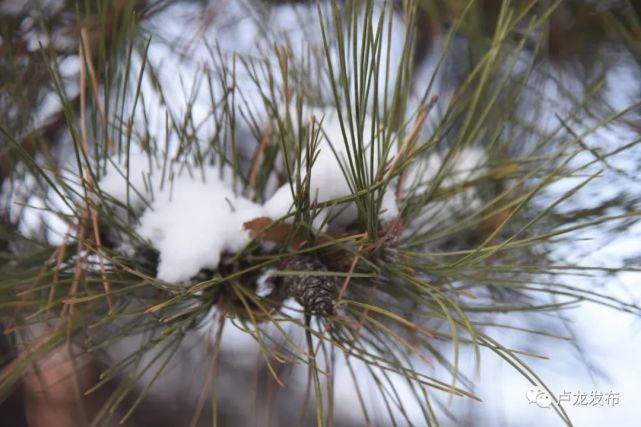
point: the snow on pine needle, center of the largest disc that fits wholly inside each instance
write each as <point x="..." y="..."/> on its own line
<point x="191" y="219"/>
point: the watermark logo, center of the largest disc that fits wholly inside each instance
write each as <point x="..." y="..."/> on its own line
<point x="539" y="396"/>
<point x="543" y="399"/>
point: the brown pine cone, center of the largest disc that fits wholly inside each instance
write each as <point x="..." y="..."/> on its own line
<point x="316" y="293"/>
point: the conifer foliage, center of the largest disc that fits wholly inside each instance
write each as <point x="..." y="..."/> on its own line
<point x="366" y="191"/>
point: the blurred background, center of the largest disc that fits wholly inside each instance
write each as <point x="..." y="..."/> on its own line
<point x="587" y="58"/>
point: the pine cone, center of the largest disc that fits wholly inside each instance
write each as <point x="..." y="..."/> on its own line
<point x="317" y="294"/>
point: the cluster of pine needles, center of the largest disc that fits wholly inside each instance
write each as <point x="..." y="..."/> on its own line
<point x="396" y="301"/>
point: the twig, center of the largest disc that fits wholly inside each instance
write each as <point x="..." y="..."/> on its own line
<point x="408" y="145"/>
<point x="85" y="62"/>
<point x="86" y="49"/>
<point x="311" y="359"/>
<point x="211" y="373"/>
<point x="258" y="160"/>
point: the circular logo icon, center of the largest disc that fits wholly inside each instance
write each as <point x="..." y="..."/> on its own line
<point x="539" y="396"/>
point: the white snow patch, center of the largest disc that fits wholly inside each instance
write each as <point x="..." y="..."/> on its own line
<point x="131" y="179"/>
<point x="191" y="219"/>
<point x="328" y="179"/>
<point x="195" y="223"/>
<point x="468" y="164"/>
